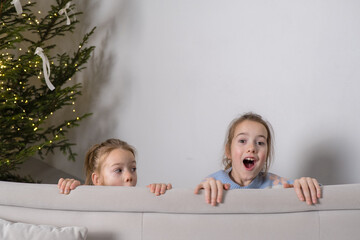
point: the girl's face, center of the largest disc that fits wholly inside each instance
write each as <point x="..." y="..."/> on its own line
<point x="117" y="169"/>
<point x="248" y="151"/>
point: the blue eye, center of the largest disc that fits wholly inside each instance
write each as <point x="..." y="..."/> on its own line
<point x="118" y="170"/>
<point x="242" y="141"/>
<point x="261" y="143"/>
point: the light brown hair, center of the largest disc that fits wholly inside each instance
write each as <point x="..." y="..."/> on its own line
<point x="230" y="135"/>
<point x="98" y="152"/>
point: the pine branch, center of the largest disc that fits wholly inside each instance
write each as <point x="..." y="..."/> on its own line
<point x="26" y="103"/>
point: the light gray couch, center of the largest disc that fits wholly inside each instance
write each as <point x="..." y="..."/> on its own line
<point x="134" y="213"/>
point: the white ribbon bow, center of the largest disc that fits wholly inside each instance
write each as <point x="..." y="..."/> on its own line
<point x="18" y="6"/>
<point x="63" y="10"/>
<point x="46" y="67"/>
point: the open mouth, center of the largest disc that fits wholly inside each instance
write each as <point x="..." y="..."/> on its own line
<point x="249" y="163"/>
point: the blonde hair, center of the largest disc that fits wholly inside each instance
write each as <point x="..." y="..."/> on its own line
<point x="98" y="152"/>
<point x="231" y="132"/>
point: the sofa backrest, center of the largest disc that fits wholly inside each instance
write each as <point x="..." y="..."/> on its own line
<point x="135" y="213"/>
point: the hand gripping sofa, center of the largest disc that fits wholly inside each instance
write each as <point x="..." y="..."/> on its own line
<point x="134" y="213"/>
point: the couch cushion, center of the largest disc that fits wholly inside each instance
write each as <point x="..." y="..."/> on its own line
<point x="16" y="230"/>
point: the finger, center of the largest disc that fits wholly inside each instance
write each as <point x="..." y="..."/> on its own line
<point x="318" y="188"/>
<point x="152" y="187"/>
<point x="312" y="188"/>
<point x="74" y="184"/>
<point x="163" y="188"/>
<point x="157" y="189"/>
<point x="305" y="190"/>
<point x="60" y="182"/>
<point x="67" y="186"/>
<point x="207" y="191"/>
<point x="198" y="188"/>
<point x="63" y="185"/>
<point x="298" y="191"/>
<point x="169" y="186"/>
<point x="288" y="185"/>
<point x="283" y="181"/>
<point x="226" y="186"/>
<point x="220" y="191"/>
<point x="214" y="192"/>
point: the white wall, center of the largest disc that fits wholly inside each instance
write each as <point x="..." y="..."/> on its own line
<point x="168" y="76"/>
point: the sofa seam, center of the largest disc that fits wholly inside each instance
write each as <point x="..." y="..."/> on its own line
<point x="319" y="220"/>
<point x="142" y="226"/>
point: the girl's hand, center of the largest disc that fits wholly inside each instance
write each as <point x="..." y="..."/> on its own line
<point x="213" y="190"/>
<point x="66" y="185"/>
<point x="306" y="188"/>
<point x="159" y="188"/>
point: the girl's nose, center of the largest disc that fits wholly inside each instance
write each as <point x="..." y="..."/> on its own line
<point x="128" y="177"/>
<point x="251" y="148"/>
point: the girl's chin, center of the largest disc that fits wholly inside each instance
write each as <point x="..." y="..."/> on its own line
<point x="120" y="185"/>
<point x="128" y="185"/>
<point x="249" y="174"/>
<point x="245" y="177"/>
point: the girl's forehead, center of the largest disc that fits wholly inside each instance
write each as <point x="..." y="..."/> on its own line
<point x="251" y="127"/>
<point x="120" y="156"/>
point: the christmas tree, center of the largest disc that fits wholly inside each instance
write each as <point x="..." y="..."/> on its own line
<point x="35" y="82"/>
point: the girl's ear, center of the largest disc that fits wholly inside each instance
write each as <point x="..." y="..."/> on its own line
<point x="95" y="179"/>
<point x="227" y="151"/>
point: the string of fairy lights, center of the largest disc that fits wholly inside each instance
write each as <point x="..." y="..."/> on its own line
<point x="9" y="63"/>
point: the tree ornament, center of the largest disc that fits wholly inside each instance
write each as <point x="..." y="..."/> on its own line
<point x="18" y="7"/>
<point x="46" y="67"/>
<point x="63" y="10"/>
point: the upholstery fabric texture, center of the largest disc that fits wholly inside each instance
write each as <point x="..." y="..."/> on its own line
<point x="113" y="213"/>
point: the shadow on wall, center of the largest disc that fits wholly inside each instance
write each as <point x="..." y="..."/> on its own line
<point x="97" y="73"/>
<point x="100" y="95"/>
<point x="93" y="77"/>
<point x="328" y="161"/>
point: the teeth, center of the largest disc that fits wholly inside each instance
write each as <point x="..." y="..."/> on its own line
<point x="249" y="162"/>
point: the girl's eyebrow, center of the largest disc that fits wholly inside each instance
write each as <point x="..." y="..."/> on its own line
<point x="121" y="164"/>
<point x="117" y="164"/>
<point x="262" y="136"/>
<point x="246" y="134"/>
<point x="242" y="134"/>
